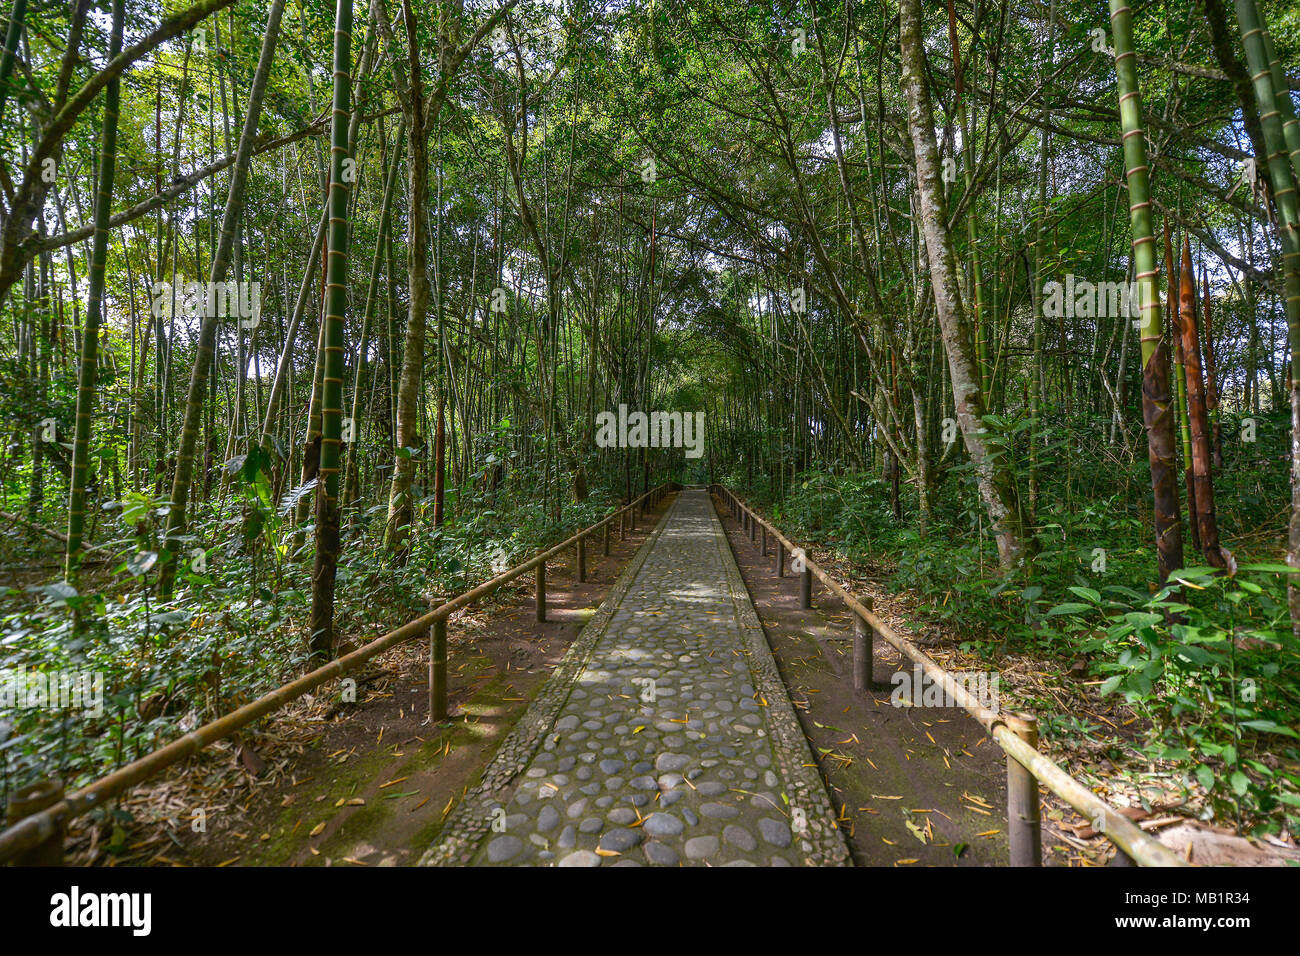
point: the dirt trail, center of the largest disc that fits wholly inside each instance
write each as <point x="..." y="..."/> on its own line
<point x="913" y="785"/>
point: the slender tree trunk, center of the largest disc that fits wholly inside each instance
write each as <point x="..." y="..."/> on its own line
<point x="87" y="382"/>
<point x="1198" y="415"/>
<point x="1172" y="300"/>
<point x="1273" y="101"/>
<point x="1156" y="412"/>
<point x="995" y="481"/>
<point x="325" y="565"/>
<point x="206" y="346"/>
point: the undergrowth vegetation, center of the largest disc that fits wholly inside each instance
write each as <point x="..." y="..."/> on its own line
<point x="1208" y="664"/>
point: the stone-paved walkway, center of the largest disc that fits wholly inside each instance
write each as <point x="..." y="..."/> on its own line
<point x="665" y="736"/>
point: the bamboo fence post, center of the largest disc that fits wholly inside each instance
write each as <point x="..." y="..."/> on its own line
<point x="438" y="671"/>
<point x="541" y="592"/>
<point x="864" y="636"/>
<point x="1024" y="826"/>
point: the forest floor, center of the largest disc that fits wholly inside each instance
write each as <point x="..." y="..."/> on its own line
<point x="325" y="783"/>
<point x="365" y="784"/>
<point x="942" y="755"/>
<point x="912" y="785"/>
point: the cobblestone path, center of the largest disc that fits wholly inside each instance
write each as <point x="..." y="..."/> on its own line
<point x="664" y="737"/>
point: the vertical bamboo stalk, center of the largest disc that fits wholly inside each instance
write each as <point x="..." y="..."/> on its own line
<point x="438" y="671"/>
<point x="540" y="588"/>
<point x="1024" y="826"/>
<point x="863" y="654"/>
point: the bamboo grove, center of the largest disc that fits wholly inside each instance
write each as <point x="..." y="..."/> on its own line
<point x="310" y="309"/>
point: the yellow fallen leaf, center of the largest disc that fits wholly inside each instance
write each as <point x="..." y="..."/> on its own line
<point x="600" y="852"/>
<point x="316" y="830"/>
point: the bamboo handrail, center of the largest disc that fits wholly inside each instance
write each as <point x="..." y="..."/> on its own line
<point x="39" y="827"/>
<point x="1139" y="845"/>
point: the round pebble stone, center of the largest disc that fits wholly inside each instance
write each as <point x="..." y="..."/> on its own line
<point x="660" y="854"/>
<point x="719" y="811"/>
<point x="622" y="840"/>
<point x="548" y="819"/>
<point x="581" y="858"/>
<point x="504" y="848"/>
<point x="775" y="832"/>
<point x="591" y="825"/>
<point x="670" y="761"/>
<point x="689" y="816"/>
<point x="622" y="816"/>
<point x="568" y="838"/>
<point x="700" y="847"/>
<point x="662" y="825"/>
<point x="739" y="837"/>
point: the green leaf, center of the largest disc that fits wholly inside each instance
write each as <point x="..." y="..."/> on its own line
<point x="1240" y="783"/>
<point x="1070" y="608"/>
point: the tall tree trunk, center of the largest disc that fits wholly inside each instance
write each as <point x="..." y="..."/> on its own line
<point x="417" y="269"/>
<point x="1180" y="386"/>
<point x="7" y="55"/>
<point x="325" y="565"/>
<point x="87" y="381"/>
<point x="1198" y="415"/>
<point x="181" y="483"/>
<point x="1272" y="102"/>
<point x="440" y="462"/>
<point x="996" y="483"/>
<point x="1211" y="375"/>
<point x="1156" y="412"/>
